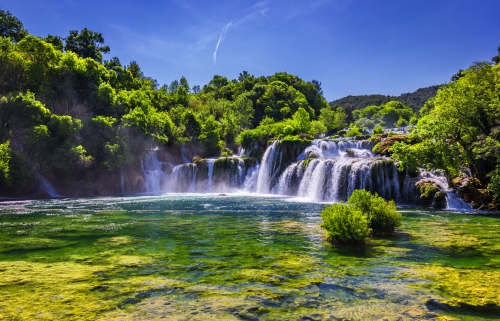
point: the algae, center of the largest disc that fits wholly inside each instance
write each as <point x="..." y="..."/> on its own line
<point x="232" y="258"/>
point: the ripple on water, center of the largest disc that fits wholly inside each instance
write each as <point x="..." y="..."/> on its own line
<point x="204" y="257"/>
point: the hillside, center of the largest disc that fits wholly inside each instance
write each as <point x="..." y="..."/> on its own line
<point x="414" y="100"/>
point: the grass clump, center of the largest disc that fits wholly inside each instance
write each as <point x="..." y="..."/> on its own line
<point x="364" y="214"/>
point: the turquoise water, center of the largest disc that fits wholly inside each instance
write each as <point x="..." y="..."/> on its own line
<point x="237" y="257"/>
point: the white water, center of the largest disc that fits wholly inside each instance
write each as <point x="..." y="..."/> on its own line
<point x="325" y="171"/>
<point x="45" y="186"/>
<point x="154" y="175"/>
<point x="453" y="202"/>
<point x="271" y="164"/>
<point x="210" y="165"/>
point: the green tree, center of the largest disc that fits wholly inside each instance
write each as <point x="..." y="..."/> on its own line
<point x="302" y="121"/>
<point x="5" y="164"/>
<point x="11" y="27"/>
<point x="496" y="59"/>
<point x="86" y="44"/>
<point x="210" y="137"/>
<point x="184" y="84"/>
<point x="55" y="41"/>
<point x="464" y="114"/>
<point x="334" y="119"/>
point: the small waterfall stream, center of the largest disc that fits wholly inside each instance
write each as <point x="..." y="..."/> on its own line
<point x="325" y="171"/>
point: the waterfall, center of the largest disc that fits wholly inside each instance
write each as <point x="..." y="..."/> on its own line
<point x="324" y="171"/>
<point x="251" y="177"/>
<point x="271" y="162"/>
<point x="335" y="179"/>
<point x="154" y="175"/>
<point x="44" y="186"/>
<point x="210" y="165"/>
<point x="184" y="151"/>
<point x="453" y="202"/>
<point x="122" y="183"/>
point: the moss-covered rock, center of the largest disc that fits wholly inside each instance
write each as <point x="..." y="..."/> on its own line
<point x="476" y="193"/>
<point x="383" y="147"/>
<point x="431" y="195"/>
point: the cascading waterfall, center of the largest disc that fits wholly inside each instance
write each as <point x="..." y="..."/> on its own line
<point x="270" y="166"/>
<point x="210" y="165"/>
<point x="154" y="175"/>
<point x="453" y="202"/>
<point x="325" y="171"/>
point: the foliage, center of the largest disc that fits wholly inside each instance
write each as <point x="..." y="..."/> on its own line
<point x="5" y="163"/>
<point x="86" y="44"/>
<point x="413" y="100"/>
<point x="390" y="114"/>
<point x="494" y="185"/>
<point x="11" y="27"/>
<point x="210" y="137"/>
<point x="381" y="214"/>
<point x="377" y="130"/>
<point x="334" y="119"/>
<point x="363" y="214"/>
<point x="345" y="224"/>
<point x="459" y="127"/>
<point x="353" y="131"/>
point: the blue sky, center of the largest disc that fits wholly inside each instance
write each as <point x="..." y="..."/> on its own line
<point x="353" y="47"/>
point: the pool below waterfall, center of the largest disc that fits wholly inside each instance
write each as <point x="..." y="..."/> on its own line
<point x="238" y="257"/>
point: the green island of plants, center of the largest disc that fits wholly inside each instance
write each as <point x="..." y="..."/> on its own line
<point x="363" y="215"/>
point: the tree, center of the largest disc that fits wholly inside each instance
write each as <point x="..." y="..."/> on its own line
<point x="11" y="27"/>
<point x="174" y="85"/>
<point x="317" y="84"/>
<point x="244" y="75"/>
<point x="302" y="122"/>
<point x="196" y="89"/>
<point x="135" y="70"/>
<point x="4" y="164"/>
<point x="334" y="119"/>
<point x="86" y="44"/>
<point x="56" y="41"/>
<point x="462" y="121"/>
<point x="210" y="137"/>
<point x="184" y="83"/>
<point x="496" y="59"/>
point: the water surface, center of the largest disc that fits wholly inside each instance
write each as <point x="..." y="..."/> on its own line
<point x="238" y="257"/>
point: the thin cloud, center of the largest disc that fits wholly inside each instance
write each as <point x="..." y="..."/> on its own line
<point x="224" y="30"/>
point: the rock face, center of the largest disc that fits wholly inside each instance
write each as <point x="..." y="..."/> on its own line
<point x="431" y="194"/>
<point x="475" y="193"/>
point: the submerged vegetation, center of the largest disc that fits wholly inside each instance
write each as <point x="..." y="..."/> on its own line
<point x="144" y="258"/>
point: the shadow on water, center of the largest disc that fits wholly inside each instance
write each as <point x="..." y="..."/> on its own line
<point x="488" y="311"/>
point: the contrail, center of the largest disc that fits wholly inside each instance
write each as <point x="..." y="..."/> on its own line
<point x="224" y="30"/>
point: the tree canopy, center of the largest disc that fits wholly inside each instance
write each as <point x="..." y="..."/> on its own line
<point x="11" y="27"/>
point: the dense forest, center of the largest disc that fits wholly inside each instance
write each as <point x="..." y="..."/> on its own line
<point x="71" y="116"/>
<point x="414" y="100"/>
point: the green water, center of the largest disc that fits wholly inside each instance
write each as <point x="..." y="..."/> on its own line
<point x="195" y="257"/>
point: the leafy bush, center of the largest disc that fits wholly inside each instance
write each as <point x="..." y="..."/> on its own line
<point x="378" y="130"/>
<point x="363" y="214"/>
<point x="353" y="131"/>
<point x="382" y="214"/>
<point x="345" y="224"/>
